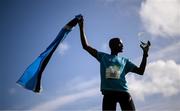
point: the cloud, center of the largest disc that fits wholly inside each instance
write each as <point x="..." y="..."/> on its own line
<point x="81" y="90"/>
<point x="83" y="84"/>
<point x="161" y="17"/>
<point x="169" y="52"/>
<point x="66" y="99"/>
<point x="161" y="77"/>
<point x="62" y="48"/>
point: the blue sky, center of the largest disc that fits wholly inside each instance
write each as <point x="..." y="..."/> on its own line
<point x="71" y="79"/>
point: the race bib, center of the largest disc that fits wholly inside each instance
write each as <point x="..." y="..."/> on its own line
<point x="113" y="72"/>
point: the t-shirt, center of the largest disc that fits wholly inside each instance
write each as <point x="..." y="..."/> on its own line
<point x="113" y="70"/>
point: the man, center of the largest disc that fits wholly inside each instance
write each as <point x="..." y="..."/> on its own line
<point x="113" y="69"/>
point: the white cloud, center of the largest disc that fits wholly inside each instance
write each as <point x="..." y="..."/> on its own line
<point x="66" y="99"/>
<point x="62" y="48"/>
<point x="161" y="77"/>
<point x="81" y="89"/>
<point x="161" y="17"/>
<point x="169" y="52"/>
<point x="83" y="84"/>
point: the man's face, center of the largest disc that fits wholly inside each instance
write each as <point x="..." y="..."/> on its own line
<point x="118" y="46"/>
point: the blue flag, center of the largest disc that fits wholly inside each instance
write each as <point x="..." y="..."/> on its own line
<point x="31" y="78"/>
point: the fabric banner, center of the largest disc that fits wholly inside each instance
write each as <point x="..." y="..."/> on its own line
<point x="31" y="78"/>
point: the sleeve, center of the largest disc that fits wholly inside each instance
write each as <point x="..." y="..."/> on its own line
<point x="100" y="55"/>
<point x="129" y="66"/>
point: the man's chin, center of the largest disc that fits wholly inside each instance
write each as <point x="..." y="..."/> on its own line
<point x="121" y="51"/>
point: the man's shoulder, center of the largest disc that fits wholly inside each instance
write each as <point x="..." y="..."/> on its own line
<point x="102" y="53"/>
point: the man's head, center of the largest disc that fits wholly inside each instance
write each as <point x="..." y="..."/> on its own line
<point x="115" y="45"/>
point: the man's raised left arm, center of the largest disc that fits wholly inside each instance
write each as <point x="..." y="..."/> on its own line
<point x="140" y="70"/>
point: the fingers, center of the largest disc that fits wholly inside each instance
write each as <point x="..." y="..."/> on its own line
<point x="72" y="23"/>
<point x="81" y="21"/>
<point x="149" y="43"/>
<point x="80" y="18"/>
<point x="143" y="43"/>
<point x="141" y="46"/>
<point x="145" y="46"/>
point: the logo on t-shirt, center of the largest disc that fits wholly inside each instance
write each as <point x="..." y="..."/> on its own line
<point x="113" y="72"/>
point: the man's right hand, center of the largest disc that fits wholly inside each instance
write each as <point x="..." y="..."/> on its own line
<point x="84" y="41"/>
<point x="80" y="20"/>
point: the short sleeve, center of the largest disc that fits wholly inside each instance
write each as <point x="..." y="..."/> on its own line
<point x="100" y="55"/>
<point x="129" y="66"/>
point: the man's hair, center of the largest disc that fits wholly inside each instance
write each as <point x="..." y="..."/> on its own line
<point x="113" y="41"/>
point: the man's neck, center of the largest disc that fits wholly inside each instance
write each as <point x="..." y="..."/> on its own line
<point x="114" y="53"/>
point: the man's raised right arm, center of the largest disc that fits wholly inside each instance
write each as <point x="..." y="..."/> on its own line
<point x="84" y="41"/>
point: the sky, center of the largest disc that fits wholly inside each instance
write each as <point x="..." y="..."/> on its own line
<point x="71" y="80"/>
